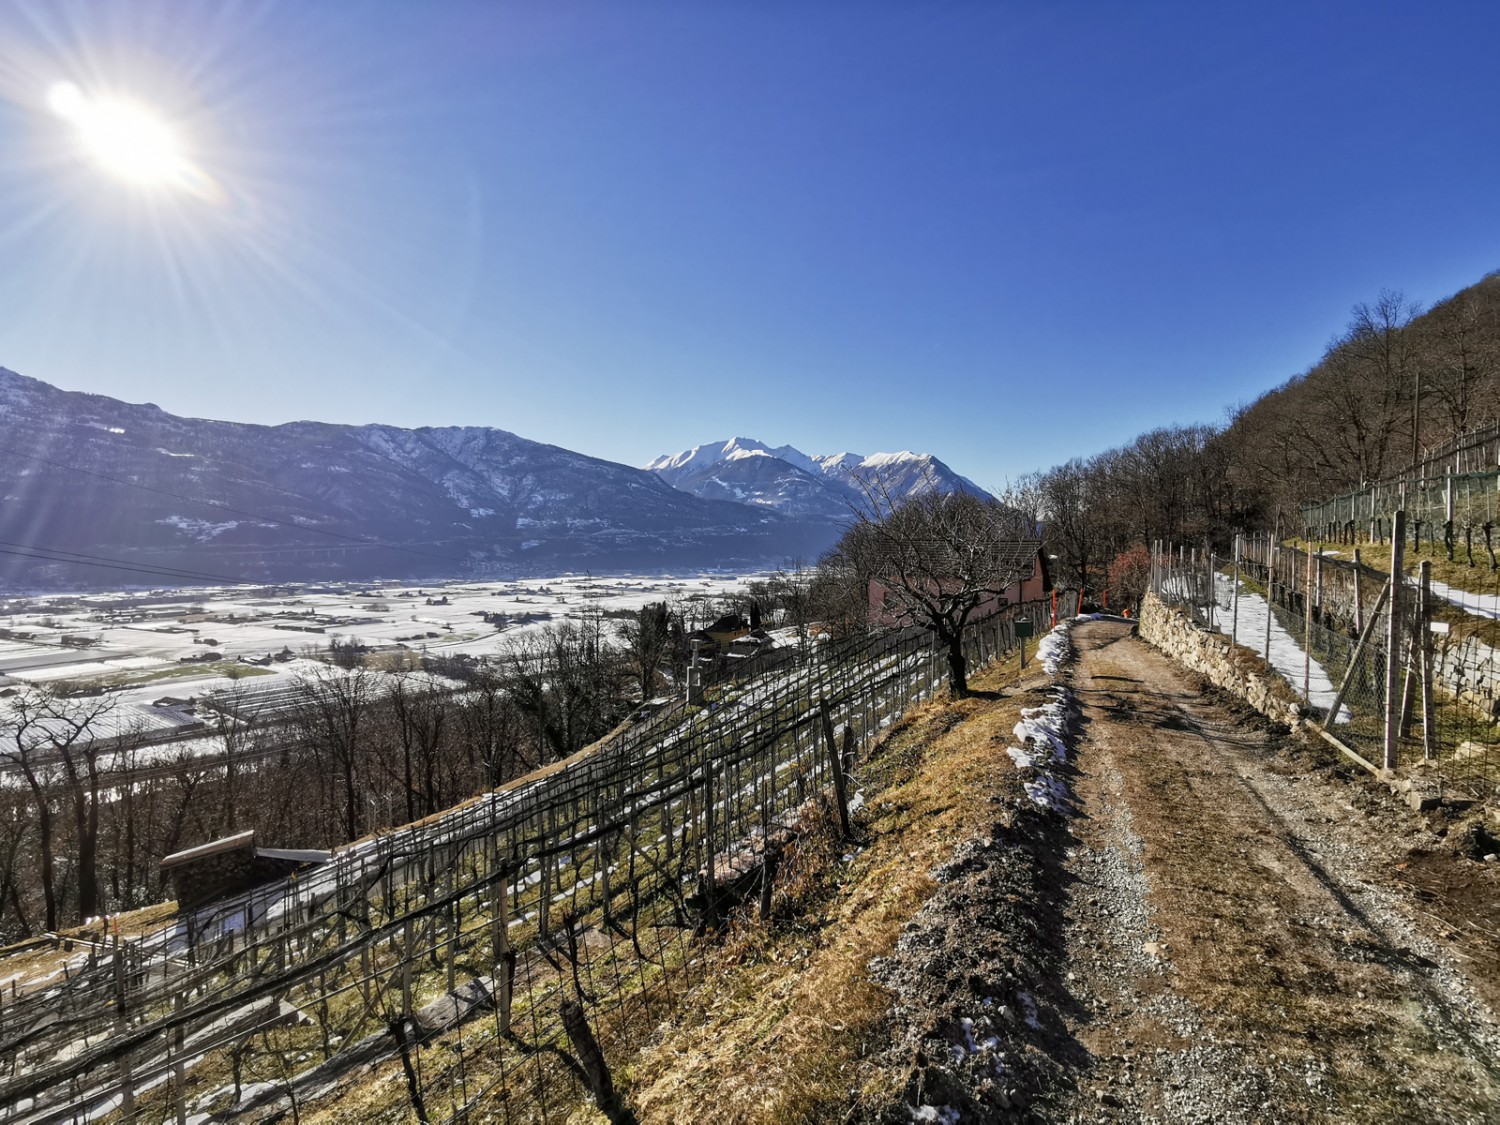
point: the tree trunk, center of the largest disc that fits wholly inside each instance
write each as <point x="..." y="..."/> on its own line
<point x="86" y="818"/>
<point x="351" y="798"/>
<point x="49" y="891"/>
<point x="958" y="669"/>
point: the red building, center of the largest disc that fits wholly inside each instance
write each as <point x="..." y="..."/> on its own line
<point x="887" y="610"/>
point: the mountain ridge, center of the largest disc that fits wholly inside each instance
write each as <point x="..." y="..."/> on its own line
<point x="135" y="484"/>
<point x="786" y="480"/>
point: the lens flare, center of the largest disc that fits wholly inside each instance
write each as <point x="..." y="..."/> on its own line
<point x="129" y="142"/>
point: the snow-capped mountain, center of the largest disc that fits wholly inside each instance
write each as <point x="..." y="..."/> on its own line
<point x="787" y="480"/>
<point x="133" y="485"/>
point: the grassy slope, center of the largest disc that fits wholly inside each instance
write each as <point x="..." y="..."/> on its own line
<point x="780" y="1030"/>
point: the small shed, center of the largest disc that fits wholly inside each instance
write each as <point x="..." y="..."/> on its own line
<point x="232" y="864"/>
<point x="730" y="627"/>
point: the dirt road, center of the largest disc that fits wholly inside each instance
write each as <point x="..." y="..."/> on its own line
<point x="1237" y="947"/>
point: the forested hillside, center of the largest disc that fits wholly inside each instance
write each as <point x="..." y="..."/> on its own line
<point x="1395" y="380"/>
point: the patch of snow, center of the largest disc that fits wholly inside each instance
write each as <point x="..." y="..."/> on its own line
<point x="1287" y="654"/>
<point x="1480" y="605"/>
<point x="1048" y="727"/>
<point x="938" y="1114"/>
<point x="201" y="530"/>
<point x="880" y="460"/>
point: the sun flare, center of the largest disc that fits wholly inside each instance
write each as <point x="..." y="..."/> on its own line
<point x="122" y="138"/>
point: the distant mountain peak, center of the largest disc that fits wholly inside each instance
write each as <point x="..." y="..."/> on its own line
<point x="785" y="479"/>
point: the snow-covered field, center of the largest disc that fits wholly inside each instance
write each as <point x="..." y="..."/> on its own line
<point x="135" y="643"/>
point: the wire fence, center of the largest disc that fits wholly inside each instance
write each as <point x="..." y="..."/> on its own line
<point x="1419" y="694"/>
<point x="1451" y="497"/>
<point x="492" y="956"/>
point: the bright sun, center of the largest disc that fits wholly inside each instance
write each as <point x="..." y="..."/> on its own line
<point x="123" y="139"/>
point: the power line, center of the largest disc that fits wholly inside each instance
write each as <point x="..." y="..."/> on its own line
<point x="58" y="555"/>
<point x="225" y="507"/>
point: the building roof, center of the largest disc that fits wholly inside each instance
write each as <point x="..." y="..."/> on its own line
<point x="213" y="847"/>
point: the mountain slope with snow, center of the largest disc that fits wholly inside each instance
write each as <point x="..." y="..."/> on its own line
<point x="135" y="485"/>
<point x="788" y="481"/>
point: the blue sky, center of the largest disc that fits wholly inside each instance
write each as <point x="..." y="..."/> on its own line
<point x="1007" y="234"/>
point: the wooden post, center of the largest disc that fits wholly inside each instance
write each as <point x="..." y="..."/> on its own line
<point x="1318" y="583"/>
<point x="1270" y="591"/>
<point x="711" y="905"/>
<point x="1424" y="624"/>
<point x="179" y="1074"/>
<point x="1393" y="643"/>
<point x="1359" y="605"/>
<point x="455" y="927"/>
<point x="505" y="957"/>
<point x="1448" y="516"/>
<point x="1213" y="589"/>
<point x="122" y="1024"/>
<point x="1234" y="596"/>
<point x="1409" y="690"/>
<point x="836" y="764"/>
<point x="407" y="955"/>
<point x="1307" y="624"/>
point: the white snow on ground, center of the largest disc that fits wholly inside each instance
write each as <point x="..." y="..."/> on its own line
<point x="131" y="635"/>
<point x="1287" y="654"/>
<point x="1480" y="605"/>
<point x="1043" y="731"/>
<point x="1053" y="649"/>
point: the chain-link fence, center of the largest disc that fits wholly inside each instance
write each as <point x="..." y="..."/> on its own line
<point x="1451" y="498"/>
<point x="1323" y="621"/>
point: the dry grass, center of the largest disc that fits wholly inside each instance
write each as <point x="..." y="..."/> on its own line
<point x="35" y="959"/>
<point x="779" y="1030"/>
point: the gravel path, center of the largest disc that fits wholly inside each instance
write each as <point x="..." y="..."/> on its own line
<point x="1235" y="949"/>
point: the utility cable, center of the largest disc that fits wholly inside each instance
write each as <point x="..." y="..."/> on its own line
<point x="223" y="507"/>
<point x="59" y="556"/>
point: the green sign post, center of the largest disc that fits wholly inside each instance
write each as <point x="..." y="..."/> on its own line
<point x="1023" y="630"/>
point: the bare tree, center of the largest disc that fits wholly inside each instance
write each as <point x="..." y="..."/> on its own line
<point x="53" y="739"/>
<point x="1465" y="345"/>
<point x="648" y="641"/>
<point x="420" y="711"/>
<point x="569" y="681"/>
<point x="335" y="703"/>
<point x="1070" y="505"/>
<point x="935" y="559"/>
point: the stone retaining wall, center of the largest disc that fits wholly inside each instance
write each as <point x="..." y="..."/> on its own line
<point x="1468" y="668"/>
<point x="1233" y="668"/>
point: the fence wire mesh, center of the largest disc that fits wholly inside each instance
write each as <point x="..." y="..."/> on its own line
<point x="1322" y="620"/>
